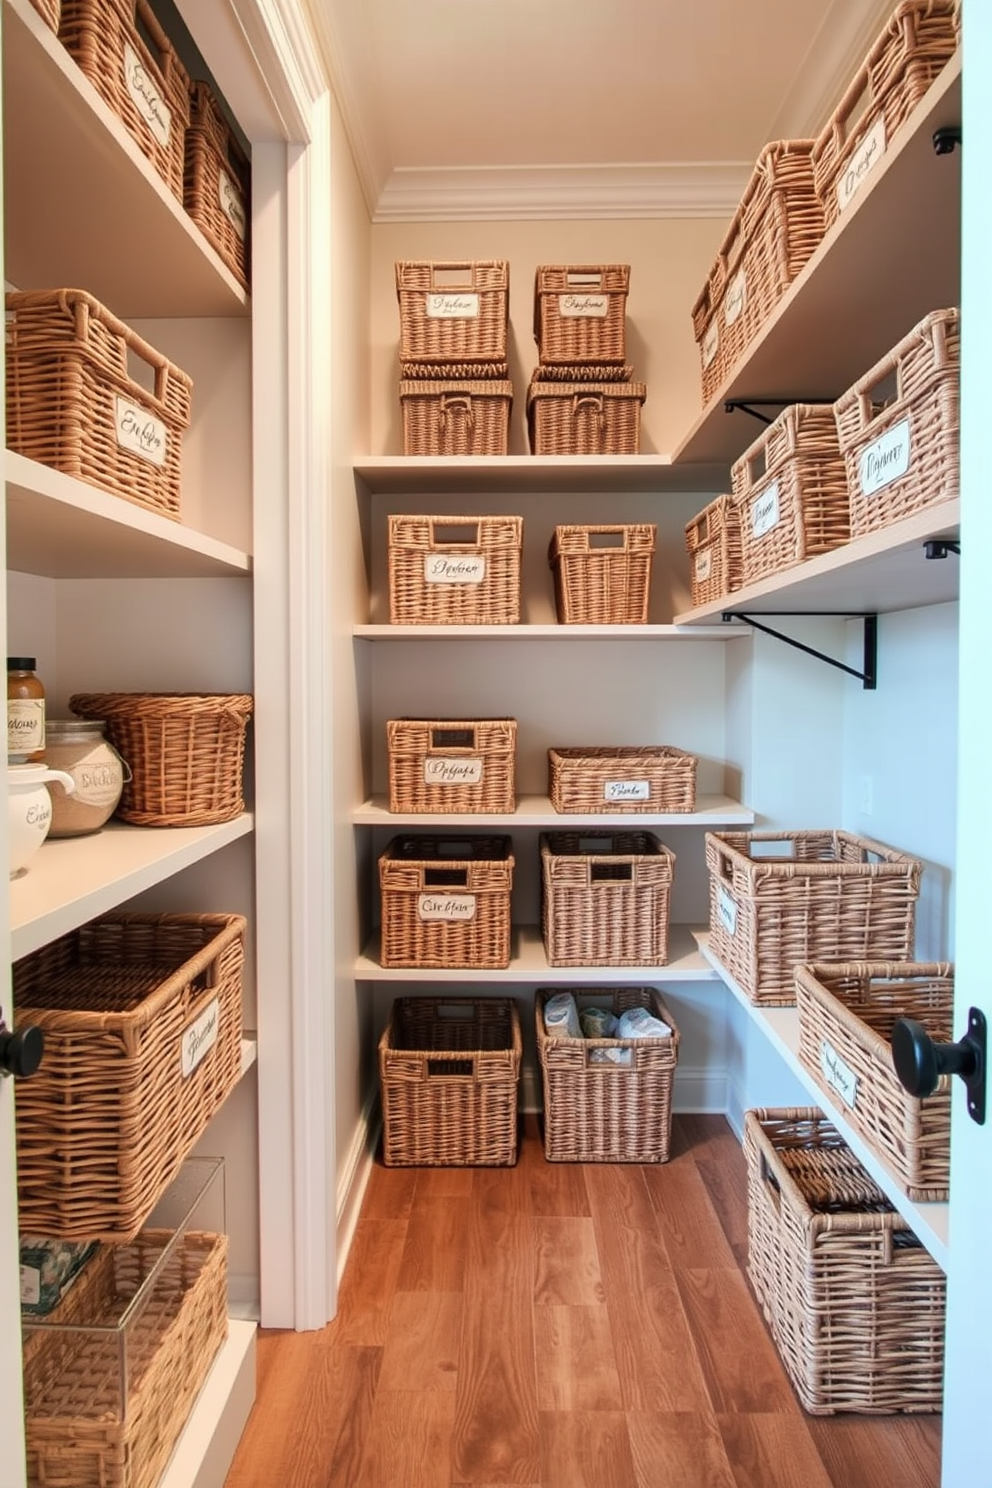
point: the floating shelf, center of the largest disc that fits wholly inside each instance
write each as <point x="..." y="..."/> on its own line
<point x="409" y="475"/>
<point x="537" y="811"/>
<point x="552" y="632"/>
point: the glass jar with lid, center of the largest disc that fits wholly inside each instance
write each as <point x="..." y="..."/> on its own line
<point x="78" y="746"/>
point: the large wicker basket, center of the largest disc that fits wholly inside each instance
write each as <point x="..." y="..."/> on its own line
<point x="453" y="311"/>
<point x="713" y="542"/>
<point x="446" y="901"/>
<point x="141" y="1016"/>
<point x="585" y="418"/>
<point x="454" y="570"/>
<point x="622" y="778"/>
<point x="49" y="10"/>
<point x="217" y="182"/>
<point x="456" y="765"/>
<point x="456" y="418"/>
<point x="73" y="405"/>
<point x="779" y="898"/>
<point x="580" y="313"/>
<point x="185" y="750"/>
<point x="853" y="1301"/>
<point x="608" y="1099"/>
<point x="605" y="898"/>
<point x="449" y="1072"/>
<point x="846" y="1017"/>
<point x="602" y="574"/>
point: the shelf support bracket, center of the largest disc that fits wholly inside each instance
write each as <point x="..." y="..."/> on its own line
<point x="940" y="547"/>
<point x="754" y="405"/>
<point x="868" y="677"/>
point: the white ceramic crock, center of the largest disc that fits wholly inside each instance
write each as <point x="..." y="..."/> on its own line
<point x="30" y="811"/>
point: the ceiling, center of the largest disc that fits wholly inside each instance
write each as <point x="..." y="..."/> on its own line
<point x="461" y="109"/>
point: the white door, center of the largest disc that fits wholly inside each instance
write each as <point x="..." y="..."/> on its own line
<point x="11" y="1412"/>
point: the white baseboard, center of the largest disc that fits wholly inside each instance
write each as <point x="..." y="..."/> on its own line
<point x="354" y="1178"/>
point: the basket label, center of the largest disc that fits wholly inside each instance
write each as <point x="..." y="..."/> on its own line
<point x="838" y="1075"/>
<point x="711" y="343"/>
<point x="140" y="431"/>
<point x="461" y="568"/>
<point x="200" y="1036"/>
<point x="146" y="97"/>
<point x="736" y="297"/>
<point x="587" y="306"/>
<point x="886" y="460"/>
<point x="445" y="770"/>
<point x="452" y="306"/>
<point x="865" y="158"/>
<point x="765" y="511"/>
<point x="30" y="1286"/>
<point x="230" y="203"/>
<point x="446" y="907"/>
<point x="627" y="790"/>
<point x="704" y="564"/>
<point x="727" y="910"/>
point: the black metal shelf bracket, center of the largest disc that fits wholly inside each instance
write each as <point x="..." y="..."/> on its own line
<point x="941" y="547"/>
<point x="754" y="405"/>
<point x="868" y="677"/>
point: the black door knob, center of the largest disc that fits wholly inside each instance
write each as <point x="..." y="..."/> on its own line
<point x="919" y="1062"/>
<point x="21" y="1051"/>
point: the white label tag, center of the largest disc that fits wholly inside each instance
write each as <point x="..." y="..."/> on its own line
<point x="627" y="790"/>
<point x="586" y="306"/>
<point x="462" y="568"/>
<point x="838" y="1075"/>
<point x="30" y="1286"/>
<point x="764" y="511"/>
<point x="736" y="297"/>
<point x="140" y="431"/>
<point x="711" y="343"/>
<point x="727" y="910"/>
<point x="704" y="564"/>
<point x="146" y="97"/>
<point x="445" y="770"/>
<point x="229" y="199"/>
<point x="453" y="306"/>
<point x="886" y="460"/>
<point x="199" y="1037"/>
<point x="446" y="907"/>
<point x="862" y="162"/>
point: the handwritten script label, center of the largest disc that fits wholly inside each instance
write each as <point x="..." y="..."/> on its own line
<point x="199" y="1037"/>
<point x="765" y="511"/>
<point x="736" y="298"/>
<point x="886" y="460"/>
<point x="838" y="1075"/>
<point x="446" y="907"/>
<point x="862" y="162"/>
<point x="229" y="200"/>
<point x="453" y="306"/>
<point x="704" y="564"/>
<point x="627" y="790"/>
<point x="465" y="568"/>
<point x="140" y="431"/>
<point x="727" y="910"/>
<point x="146" y="97"/>
<point x="445" y="770"/>
<point x="589" y="306"/>
<point x="711" y="343"/>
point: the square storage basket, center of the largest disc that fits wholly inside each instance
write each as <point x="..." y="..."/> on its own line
<point x="899" y="427"/>
<point x="185" y="752"/>
<point x="585" y="418"/>
<point x="73" y="405"/>
<point x="446" y="901"/>
<point x="652" y="777"/>
<point x="457" y="765"/>
<point x="456" y="418"/>
<point x="453" y="311"/>
<point x="49" y="10"/>
<point x="854" y="1303"/>
<point x="122" y="49"/>
<point x="713" y="542"/>
<point x="790" y="490"/>
<point x="599" y="1110"/>
<point x="605" y="898"/>
<point x="779" y="898"/>
<point x="217" y="182"/>
<point x="142" y="1022"/>
<point x="602" y="575"/>
<point x="846" y="1017"/>
<point x="454" y="570"/>
<point x="449" y="1073"/>
<point x="580" y="313"/>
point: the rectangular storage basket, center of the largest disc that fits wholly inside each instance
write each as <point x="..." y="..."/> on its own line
<point x="846" y="1017"/>
<point x="598" y="1110"/>
<point x="449" y="1072"/>
<point x="49" y="10"/>
<point x="185" y="752"/>
<point x="122" y="49"/>
<point x="790" y="491"/>
<point x="73" y="405"/>
<point x="779" y="898"/>
<point x="457" y="765"/>
<point x="918" y="41"/>
<point x="652" y="777"/>
<point x="217" y="182"/>
<point x="580" y="313"/>
<point x="605" y="898"/>
<point x="446" y="901"/>
<point x="777" y="226"/>
<point x="453" y="311"/>
<point x="141" y="1016"/>
<point x="854" y="1303"/>
<point x="713" y="542"/>
<point x="456" y="418"/>
<point x="585" y="418"/>
<point x="899" y="427"/>
<point x="602" y="574"/>
<point x="454" y="570"/>
<point x="95" y="1419"/>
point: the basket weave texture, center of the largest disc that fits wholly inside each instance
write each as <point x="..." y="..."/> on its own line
<point x="605" y="898"/>
<point x="449" y="1072"/>
<point x="781" y="898"/>
<point x="454" y="570"/>
<point x="846" y="1017"/>
<point x="598" y="1111"/>
<point x="585" y="418"/>
<point x="72" y="405"/>
<point x="143" y="82"/>
<point x="446" y="901"/>
<point x="129" y="1005"/>
<point x="901" y="452"/>
<point x="457" y="765"/>
<point x="91" y="1424"/>
<point x="217" y="182"/>
<point x="453" y="311"/>
<point x="602" y="574"/>
<point x="854" y="1303"/>
<point x="456" y="418"/>
<point x="49" y="11"/>
<point x="713" y="542"/>
<point x="622" y="778"/>
<point x="580" y="313"/>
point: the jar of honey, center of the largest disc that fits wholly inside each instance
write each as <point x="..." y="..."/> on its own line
<point x="25" y="712"/>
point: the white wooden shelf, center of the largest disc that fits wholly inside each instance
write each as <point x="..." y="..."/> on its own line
<point x="409" y="475"/>
<point x="554" y="632"/>
<point x="205" y="1450"/>
<point x="537" y="811"/>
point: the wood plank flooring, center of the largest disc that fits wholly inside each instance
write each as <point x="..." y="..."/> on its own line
<point x="557" y="1326"/>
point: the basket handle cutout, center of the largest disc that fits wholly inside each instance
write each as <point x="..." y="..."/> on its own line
<point x="453" y="276"/>
<point x="757" y="465"/>
<point x="448" y="738"/>
<point x="445" y="878"/>
<point x="611" y="872"/>
<point x="456" y="402"/>
<point x="850" y="114"/>
<point x="879" y="396"/>
<point x="584" y="281"/>
<point x="455" y="1012"/>
<point x="607" y="539"/>
<point x="455" y="534"/>
<point x="447" y="1067"/>
<point x="152" y="35"/>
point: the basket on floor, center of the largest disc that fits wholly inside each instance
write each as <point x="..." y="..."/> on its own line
<point x="602" y="574"/>
<point x="449" y="1071"/>
<point x="607" y="1099"/>
<point x="452" y="764"/>
<point x="217" y="182"/>
<point x="580" y="313"/>
<point x="605" y="898"/>
<point x="854" y="1303"/>
<point x="651" y="777"/>
<point x="713" y="542"/>
<point x="846" y="1016"/>
<point x="446" y="901"/>
<point x="456" y="418"/>
<point x="584" y="418"/>
<point x="453" y="310"/>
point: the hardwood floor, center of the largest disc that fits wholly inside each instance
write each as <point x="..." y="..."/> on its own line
<point x="557" y="1326"/>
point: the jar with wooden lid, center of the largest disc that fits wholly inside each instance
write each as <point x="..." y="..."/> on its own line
<point x="78" y="746"/>
<point x="25" y="712"/>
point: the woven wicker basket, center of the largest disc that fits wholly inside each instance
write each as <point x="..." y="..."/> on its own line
<point x="605" y="898"/>
<point x="713" y="542"/>
<point x="456" y="418"/>
<point x="652" y="777"/>
<point x="901" y="449"/>
<point x="185" y="750"/>
<point x="790" y="491"/>
<point x="580" y="313"/>
<point x="774" y="231"/>
<point x="446" y="901"/>
<point x="910" y="53"/>
<point x="142" y="1022"/>
<point x="72" y="405"/>
<point x="454" y="372"/>
<point x="596" y="1110"/>
<point x="846" y="1017"/>
<point x="602" y="575"/>
<point x="457" y="765"/>
<point x="449" y="1071"/>
<point x="853" y="1301"/>
<point x="454" y="570"/>
<point x="780" y="898"/>
<point x="585" y="418"/>
<point x="122" y="49"/>
<point x="453" y="311"/>
<point x="217" y="182"/>
<point x="49" y="10"/>
<point x="109" y="1390"/>
<point x="584" y="372"/>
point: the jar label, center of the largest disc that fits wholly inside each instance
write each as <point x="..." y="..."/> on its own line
<point x="452" y="306"/>
<point x="704" y="564"/>
<point x="25" y="725"/>
<point x="447" y="770"/>
<point x="711" y="343"/>
<point x="199" y="1037"/>
<point x="458" y="568"/>
<point x="736" y="297"/>
<point x="583" y="306"/>
<point x="862" y="162"/>
<point x="627" y="790"/>
<point x="140" y="432"/>
<point x="727" y="910"/>
<point x="765" y="511"/>
<point x="229" y="199"/>
<point x="838" y="1074"/>
<point x="446" y="907"/>
<point x="97" y="783"/>
<point x="886" y="460"/>
<point x="146" y="97"/>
